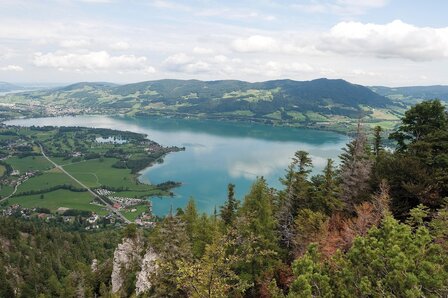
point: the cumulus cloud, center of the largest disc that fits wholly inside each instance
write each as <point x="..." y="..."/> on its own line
<point x="92" y="61"/>
<point x="181" y="62"/>
<point x="11" y="67"/>
<point x="393" y="40"/>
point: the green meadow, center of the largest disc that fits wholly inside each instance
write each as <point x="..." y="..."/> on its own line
<point x="59" y="198"/>
<point x="36" y="163"/>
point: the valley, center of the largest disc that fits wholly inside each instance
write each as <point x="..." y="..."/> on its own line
<point x="88" y="170"/>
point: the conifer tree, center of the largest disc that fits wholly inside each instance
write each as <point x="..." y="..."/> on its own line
<point x="172" y="245"/>
<point x="255" y="236"/>
<point x="294" y="197"/>
<point x="377" y="141"/>
<point x="228" y="211"/>
<point x="212" y="275"/>
<point x="356" y="168"/>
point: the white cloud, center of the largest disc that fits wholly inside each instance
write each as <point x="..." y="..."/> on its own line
<point x="74" y="43"/>
<point x="255" y="43"/>
<point x="11" y="68"/>
<point x="220" y="59"/>
<point x="121" y="45"/>
<point x="92" y="61"/>
<point x="197" y="67"/>
<point x="393" y="40"/>
<point x="181" y="62"/>
<point x="203" y="51"/>
<point x="178" y="59"/>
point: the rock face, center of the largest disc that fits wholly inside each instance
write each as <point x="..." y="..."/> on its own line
<point x="149" y="266"/>
<point x="94" y="266"/>
<point x="127" y="257"/>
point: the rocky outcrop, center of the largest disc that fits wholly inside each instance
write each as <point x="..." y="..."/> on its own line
<point x="127" y="259"/>
<point x="94" y="265"/>
<point x="149" y="266"/>
<point x="126" y="256"/>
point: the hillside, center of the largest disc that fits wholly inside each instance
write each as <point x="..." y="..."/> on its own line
<point x="413" y="94"/>
<point x="6" y="87"/>
<point x="315" y="103"/>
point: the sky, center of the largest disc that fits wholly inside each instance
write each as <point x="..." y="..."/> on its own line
<point x="369" y="42"/>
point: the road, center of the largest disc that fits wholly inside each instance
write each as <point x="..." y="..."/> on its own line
<point x="15" y="190"/>
<point x="112" y="209"/>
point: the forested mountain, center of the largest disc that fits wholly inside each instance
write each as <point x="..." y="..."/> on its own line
<point x="414" y="93"/>
<point x="281" y="101"/>
<point x="374" y="226"/>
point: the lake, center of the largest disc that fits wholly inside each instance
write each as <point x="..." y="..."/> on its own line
<point x="217" y="153"/>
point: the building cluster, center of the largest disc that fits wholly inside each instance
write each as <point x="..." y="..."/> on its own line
<point x="119" y="202"/>
<point x="17" y="211"/>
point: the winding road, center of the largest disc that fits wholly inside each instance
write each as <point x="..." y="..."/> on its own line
<point x="15" y="190"/>
<point x="112" y="209"/>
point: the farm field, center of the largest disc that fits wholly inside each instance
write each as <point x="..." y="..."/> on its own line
<point x="6" y="190"/>
<point x="98" y="158"/>
<point x="36" y="163"/>
<point x="101" y="173"/>
<point x="46" y="181"/>
<point x="2" y="170"/>
<point x="59" y="198"/>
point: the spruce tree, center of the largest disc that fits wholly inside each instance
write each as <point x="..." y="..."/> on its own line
<point x="228" y="211"/>
<point x="356" y="167"/>
<point x="294" y="197"/>
<point x="255" y="236"/>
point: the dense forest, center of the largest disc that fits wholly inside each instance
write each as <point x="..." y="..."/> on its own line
<point x="376" y="225"/>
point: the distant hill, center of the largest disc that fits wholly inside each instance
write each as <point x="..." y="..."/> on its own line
<point x="321" y="101"/>
<point x="83" y="85"/>
<point x="6" y="87"/>
<point x="414" y="93"/>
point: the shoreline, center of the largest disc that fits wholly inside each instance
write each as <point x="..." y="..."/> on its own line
<point x="260" y="121"/>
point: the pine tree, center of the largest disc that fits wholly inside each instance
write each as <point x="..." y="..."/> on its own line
<point x="294" y="197"/>
<point x="255" y="237"/>
<point x="393" y="260"/>
<point x="190" y="217"/>
<point x="228" y="211"/>
<point x="377" y="141"/>
<point x="211" y="276"/>
<point x="172" y="244"/>
<point x="356" y="168"/>
<point x="329" y="191"/>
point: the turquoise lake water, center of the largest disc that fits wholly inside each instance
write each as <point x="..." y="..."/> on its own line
<point x="217" y="153"/>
